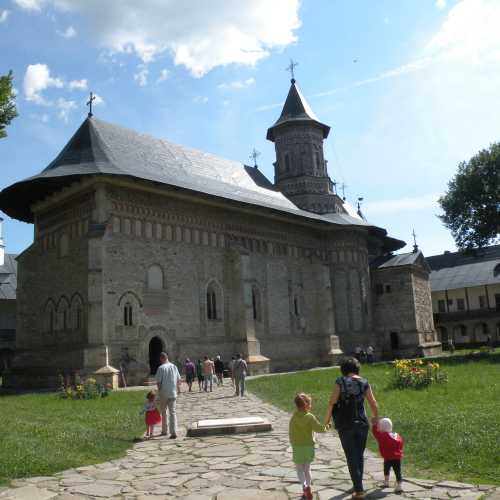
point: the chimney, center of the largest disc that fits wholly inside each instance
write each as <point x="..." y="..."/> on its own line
<point x="2" y="246"/>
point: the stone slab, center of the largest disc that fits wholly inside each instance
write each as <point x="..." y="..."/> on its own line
<point x="223" y="426"/>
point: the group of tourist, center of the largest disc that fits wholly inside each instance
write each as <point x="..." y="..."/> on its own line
<point x="210" y="370"/>
<point x="347" y="410"/>
<point x="168" y="380"/>
<point x="364" y="355"/>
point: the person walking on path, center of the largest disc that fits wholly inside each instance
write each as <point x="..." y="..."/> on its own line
<point x="357" y="353"/>
<point x="240" y="369"/>
<point x="231" y="369"/>
<point x="369" y="354"/>
<point x="199" y="374"/>
<point x="168" y="380"/>
<point x="208" y="373"/>
<point x="301" y="429"/>
<point x="189" y="372"/>
<point x="390" y="445"/>
<point x="219" y="370"/>
<point x="347" y="408"/>
<point x="151" y="414"/>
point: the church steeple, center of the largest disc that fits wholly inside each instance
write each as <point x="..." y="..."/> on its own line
<point x="300" y="168"/>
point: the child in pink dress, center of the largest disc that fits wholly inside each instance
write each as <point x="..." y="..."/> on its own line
<point x="152" y="416"/>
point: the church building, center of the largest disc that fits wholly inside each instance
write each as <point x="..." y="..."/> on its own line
<point x="142" y="246"/>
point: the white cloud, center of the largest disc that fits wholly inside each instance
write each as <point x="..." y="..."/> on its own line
<point x="69" y="32"/>
<point x="65" y="107"/>
<point x="77" y="85"/>
<point x="200" y="35"/>
<point x="164" y="75"/>
<point x="98" y="100"/>
<point x="441" y="4"/>
<point x="141" y="77"/>
<point x="237" y="84"/>
<point x="200" y="99"/>
<point x="35" y="5"/>
<point x="36" y="79"/>
<point x="4" y="14"/>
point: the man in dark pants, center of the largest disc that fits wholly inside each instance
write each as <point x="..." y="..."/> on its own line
<point x="350" y="419"/>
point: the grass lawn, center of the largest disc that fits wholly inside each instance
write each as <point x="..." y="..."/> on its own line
<point x="451" y="431"/>
<point x="41" y="434"/>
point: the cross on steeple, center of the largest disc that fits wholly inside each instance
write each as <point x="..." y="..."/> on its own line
<point x="293" y="64"/>
<point x="253" y="156"/>
<point x="343" y="187"/>
<point x="89" y="104"/>
<point x="415" y="246"/>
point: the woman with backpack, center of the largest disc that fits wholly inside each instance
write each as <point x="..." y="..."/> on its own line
<point x="347" y="408"/>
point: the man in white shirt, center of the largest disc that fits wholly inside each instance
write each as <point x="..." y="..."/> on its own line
<point x="240" y="369"/>
<point x="168" y="380"/>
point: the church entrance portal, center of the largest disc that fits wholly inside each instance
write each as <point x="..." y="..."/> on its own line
<point x="155" y="349"/>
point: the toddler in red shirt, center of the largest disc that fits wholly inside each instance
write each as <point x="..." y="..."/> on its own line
<point x="390" y="445"/>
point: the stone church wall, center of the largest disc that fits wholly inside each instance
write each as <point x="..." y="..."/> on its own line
<point x="351" y="284"/>
<point x="52" y="294"/>
<point x="197" y="250"/>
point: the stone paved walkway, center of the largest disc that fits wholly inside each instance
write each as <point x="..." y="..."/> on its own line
<point x="238" y="467"/>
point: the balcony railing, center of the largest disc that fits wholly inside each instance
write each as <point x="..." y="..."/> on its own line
<point x="485" y="313"/>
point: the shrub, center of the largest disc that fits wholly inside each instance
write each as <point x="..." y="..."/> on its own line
<point x="416" y="373"/>
<point x="82" y="389"/>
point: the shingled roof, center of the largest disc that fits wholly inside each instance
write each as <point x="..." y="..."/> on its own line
<point x="8" y="278"/>
<point x="453" y="270"/>
<point x="403" y="259"/>
<point x="101" y="148"/>
<point x="296" y="109"/>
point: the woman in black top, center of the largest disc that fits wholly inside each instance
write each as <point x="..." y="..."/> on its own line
<point x="351" y="421"/>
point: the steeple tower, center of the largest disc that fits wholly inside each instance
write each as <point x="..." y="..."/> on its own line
<point x="300" y="170"/>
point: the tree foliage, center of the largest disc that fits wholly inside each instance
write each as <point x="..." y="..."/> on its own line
<point x="472" y="203"/>
<point x="7" y="103"/>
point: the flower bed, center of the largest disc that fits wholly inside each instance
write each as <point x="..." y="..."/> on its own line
<point x="83" y="389"/>
<point x="416" y="373"/>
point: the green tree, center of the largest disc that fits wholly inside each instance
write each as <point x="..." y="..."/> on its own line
<point x="7" y="103"/>
<point x="472" y="203"/>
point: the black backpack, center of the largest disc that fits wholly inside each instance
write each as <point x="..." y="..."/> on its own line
<point x="346" y="410"/>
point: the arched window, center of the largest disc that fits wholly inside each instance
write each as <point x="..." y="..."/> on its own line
<point x="76" y="312"/>
<point x="127" y="314"/>
<point x="256" y="304"/>
<point x="211" y="303"/>
<point x="296" y="309"/>
<point x="62" y="314"/>
<point x="287" y="162"/>
<point x="63" y="245"/>
<point x="78" y="317"/>
<point x="155" y="278"/>
<point x="318" y="162"/>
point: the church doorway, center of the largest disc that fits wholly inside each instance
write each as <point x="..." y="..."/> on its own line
<point x="155" y="349"/>
<point x="394" y="341"/>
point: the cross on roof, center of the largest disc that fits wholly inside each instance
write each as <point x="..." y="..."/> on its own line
<point x="254" y="155"/>
<point x="343" y="187"/>
<point x="89" y="104"/>
<point x="293" y="64"/>
<point x="415" y="246"/>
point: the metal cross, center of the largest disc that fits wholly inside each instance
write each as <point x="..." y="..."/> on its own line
<point x="343" y="187"/>
<point x="291" y="68"/>
<point x="89" y="104"/>
<point x="254" y="155"/>
<point x="415" y="246"/>
<point x="360" y="199"/>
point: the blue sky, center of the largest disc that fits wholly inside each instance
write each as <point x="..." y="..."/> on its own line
<point x="409" y="88"/>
